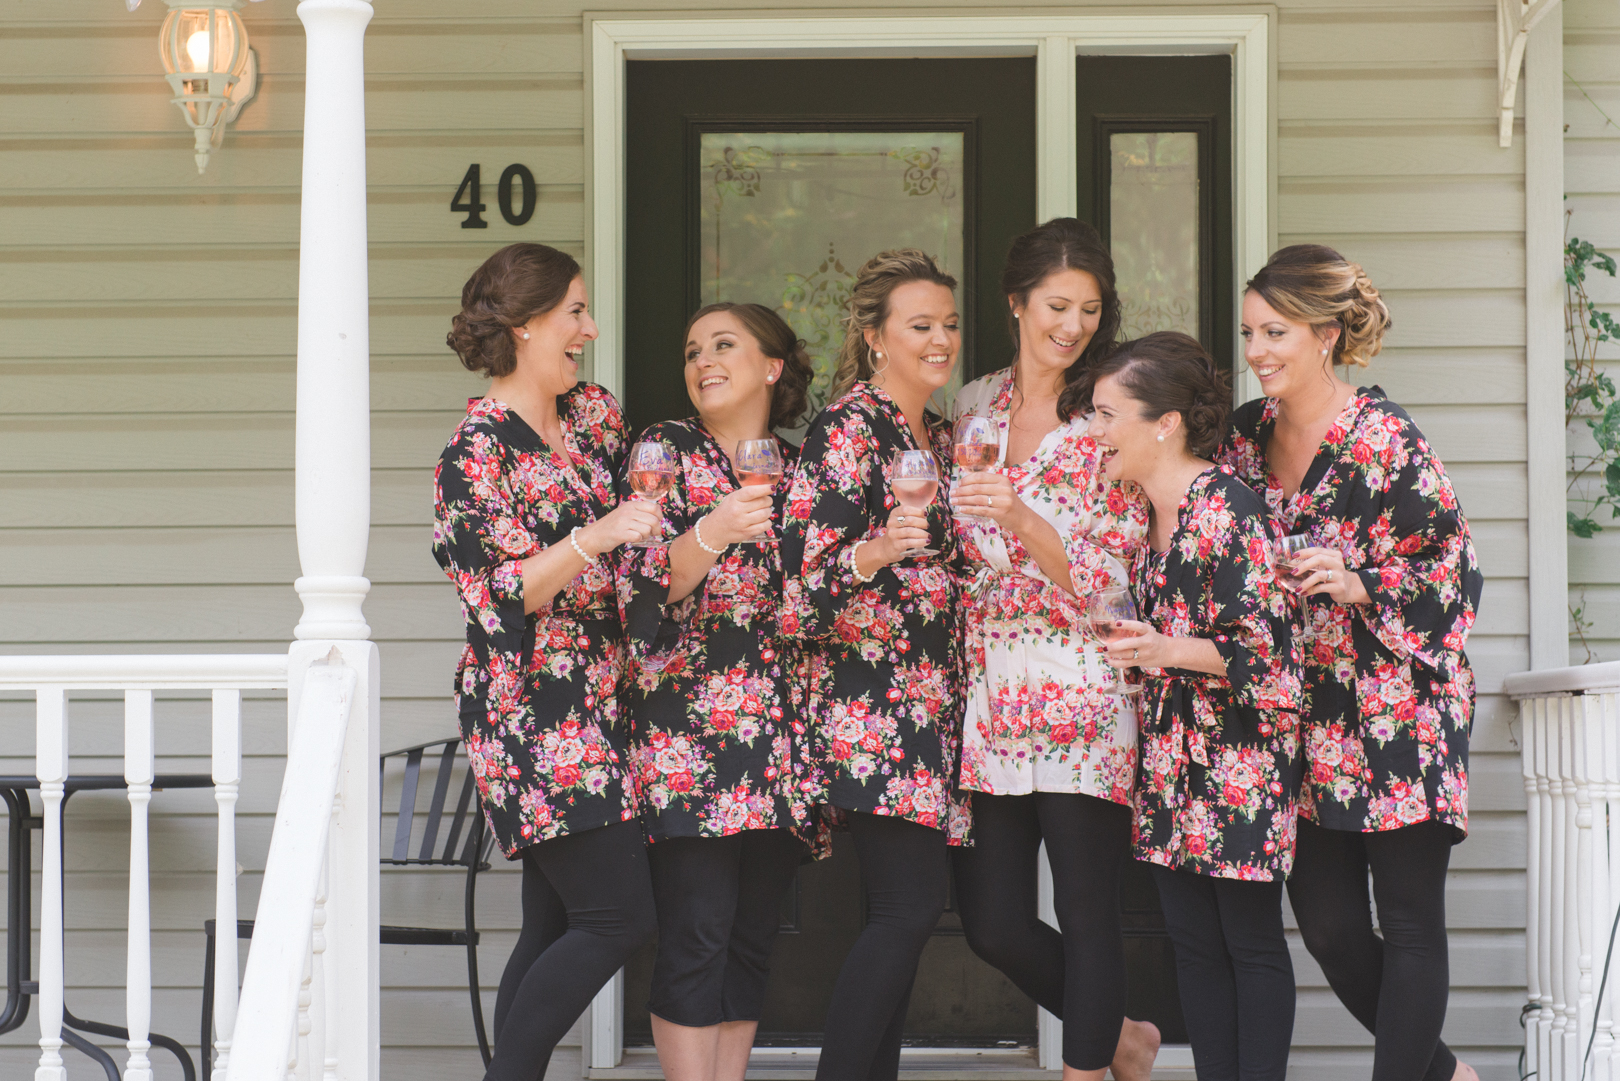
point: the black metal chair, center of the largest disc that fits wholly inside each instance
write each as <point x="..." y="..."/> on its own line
<point x="472" y="856"/>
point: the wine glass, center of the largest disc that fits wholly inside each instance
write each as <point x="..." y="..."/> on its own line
<point x="1104" y="611"/>
<point x="915" y="483"/>
<point x="978" y="444"/>
<point x="652" y="475"/>
<point x="759" y="461"/>
<point x="1286" y="551"/>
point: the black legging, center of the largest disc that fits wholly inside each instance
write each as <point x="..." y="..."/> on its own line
<point x="719" y="908"/>
<point x="587" y="906"/>
<point x="904" y="870"/>
<point x="1234" y="972"/>
<point x="1396" y="986"/>
<point x="1078" y="975"/>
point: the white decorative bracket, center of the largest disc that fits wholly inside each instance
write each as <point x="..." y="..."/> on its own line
<point x="1514" y="21"/>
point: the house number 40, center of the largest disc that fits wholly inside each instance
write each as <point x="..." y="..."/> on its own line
<point x="469" y="197"/>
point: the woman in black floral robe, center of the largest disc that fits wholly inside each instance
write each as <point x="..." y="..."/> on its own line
<point x="1218" y="774"/>
<point x="881" y="634"/>
<point x="524" y="521"/>
<point x="715" y="694"/>
<point x="1393" y="587"/>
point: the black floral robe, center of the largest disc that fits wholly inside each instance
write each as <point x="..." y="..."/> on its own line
<point x="537" y="694"/>
<point x="1219" y="770"/>
<point x="712" y="701"/>
<point x="1389" y="695"/>
<point x="884" y="671"/>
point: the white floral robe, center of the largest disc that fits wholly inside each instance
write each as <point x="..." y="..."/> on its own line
<point x="1036" y="720"/>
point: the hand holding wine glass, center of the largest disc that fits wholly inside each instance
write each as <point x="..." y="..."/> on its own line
<point x="978" y="445"/>
<point x="652" y="474"/>
<point x="1111" y="619"/>
<point x="1291" y="575"/>
<point x="759" y="463"/>
<point x="915" y="483"/>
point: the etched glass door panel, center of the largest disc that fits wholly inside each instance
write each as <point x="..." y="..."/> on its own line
<point x="1153" y="215"/>
<point x="787" y="217"/>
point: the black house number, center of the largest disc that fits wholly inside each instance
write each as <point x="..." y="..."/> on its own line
<point x="469" y="197"/>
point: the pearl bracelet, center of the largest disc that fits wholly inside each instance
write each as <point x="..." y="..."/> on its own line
<point x="697" y="534"/>
<point x="855" y="565"/>
<point x="574" y="543"/>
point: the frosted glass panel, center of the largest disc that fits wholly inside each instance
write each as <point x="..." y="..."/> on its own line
<point x="1153" y="216"/>
<point x="788" y="217"/>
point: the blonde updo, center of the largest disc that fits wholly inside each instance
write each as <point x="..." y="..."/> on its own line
<point x="875" y="283"/>
<point x="1313" y="284"/>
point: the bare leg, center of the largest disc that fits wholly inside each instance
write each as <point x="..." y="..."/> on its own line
<point x="686" y="1053"/>
<point x="736" y="1040"/>
<point x="1138" y="1047"/>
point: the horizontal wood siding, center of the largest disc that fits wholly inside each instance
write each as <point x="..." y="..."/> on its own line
<point x="147" y="330"/>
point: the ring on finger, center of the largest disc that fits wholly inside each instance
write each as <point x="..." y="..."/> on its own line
<point x="1330" y="576"/>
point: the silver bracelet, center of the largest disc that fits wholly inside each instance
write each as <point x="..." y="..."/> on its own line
<point x="574" y="543"/>
<point x="697" y="534"/>
<point x="855" y="564"/>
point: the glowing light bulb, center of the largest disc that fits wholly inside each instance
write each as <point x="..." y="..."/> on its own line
<point x="197" y="49"/>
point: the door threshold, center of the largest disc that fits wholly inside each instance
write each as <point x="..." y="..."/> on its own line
<point x="916" y="1064"/>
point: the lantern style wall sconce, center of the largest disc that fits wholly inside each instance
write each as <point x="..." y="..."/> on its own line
<point x="208" y="62"/>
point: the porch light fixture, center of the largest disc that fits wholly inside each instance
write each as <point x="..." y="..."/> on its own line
<point x="209" y="64"/>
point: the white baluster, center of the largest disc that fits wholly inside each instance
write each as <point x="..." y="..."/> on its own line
<point x="314" y="1058"/>
<point x="301" y="1039"/>
<point x="1530" y="767"/>
<point x="51" y="767"/>
<point x="1547" y="796"/>
<point x="1555" y="762"/>
<point x="1581" y="981"/>
<point x="1572" y="907"/>
<point x="1600" y="718"/>
<point x="227" y="767"/>
<point x="330" y="1017"/>
<point x="138" y="771"/>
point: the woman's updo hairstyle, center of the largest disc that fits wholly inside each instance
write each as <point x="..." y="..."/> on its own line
<point x="1313" y="284"/>
<point x="1169" y="372"/>
<point x="1065" y="244"/>
<point x="513" y="286"/>
<point x="868" y="307"/>
<point x="790" y="394"/>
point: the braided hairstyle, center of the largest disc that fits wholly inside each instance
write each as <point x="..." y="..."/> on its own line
<point x="1169" y="372"/>
<point x="1313" y="284"/>
<point x="513" y="286"/>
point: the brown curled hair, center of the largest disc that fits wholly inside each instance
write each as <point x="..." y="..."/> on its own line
<point x="1313" y="284"/>
<point x="513" y="286"/>
<point x="790" y="394"/>
<point x="868" y="307"/>
<point x="1065" y="244"/>
<point x="1169" y="372"/>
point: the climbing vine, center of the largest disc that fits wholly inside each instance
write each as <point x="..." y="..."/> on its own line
<point x="1590" y="395"/>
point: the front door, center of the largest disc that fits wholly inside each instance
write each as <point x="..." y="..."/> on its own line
<point x="772" y="181"/>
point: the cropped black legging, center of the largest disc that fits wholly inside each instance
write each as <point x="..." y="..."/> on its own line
<point x="905" y="871"/>
<point x="1395" y="985"/>
<point x="1233" y="971"/>
<point x="587" y="906"/>
<point x="1078" y="974"/>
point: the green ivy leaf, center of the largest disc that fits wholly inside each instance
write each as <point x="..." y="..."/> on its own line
<point x="1583" y="527"/>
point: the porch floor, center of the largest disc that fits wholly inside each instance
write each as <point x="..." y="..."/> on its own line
<point x="920" y="1064"/>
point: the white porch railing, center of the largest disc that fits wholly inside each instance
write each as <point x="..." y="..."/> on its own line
<point x="138" y="678"/>
<point x="1570" y="742"/>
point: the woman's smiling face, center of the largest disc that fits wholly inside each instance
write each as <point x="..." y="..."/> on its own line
<point x="1284" y="354"/>
<point x="1059" y="319"/>
<point x="919" y="340"/>
<point x="1117" y="422"/>
<point x="725" y="369"/>
<point x="556" y="341"/>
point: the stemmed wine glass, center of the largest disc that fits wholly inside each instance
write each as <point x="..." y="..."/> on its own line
<point x="1286" y="552"/>
<point x="1104" y="611"/>
<point x="978" y="444"/>
<point x="652" y="475"/>
<point x="759" y="461"/>
<point x="915" y="483"/>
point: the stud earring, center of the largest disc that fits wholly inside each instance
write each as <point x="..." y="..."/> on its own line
<point x="1017" y="316"/>
<point x="1324" y="352"/>
<point x="525" y="335"/>
<point x="879" y="356"/>
<point x="770" y="379"/>
<point x="1161" y="439"/>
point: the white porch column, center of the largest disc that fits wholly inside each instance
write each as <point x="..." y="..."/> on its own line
<point x="333" y="502"/>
